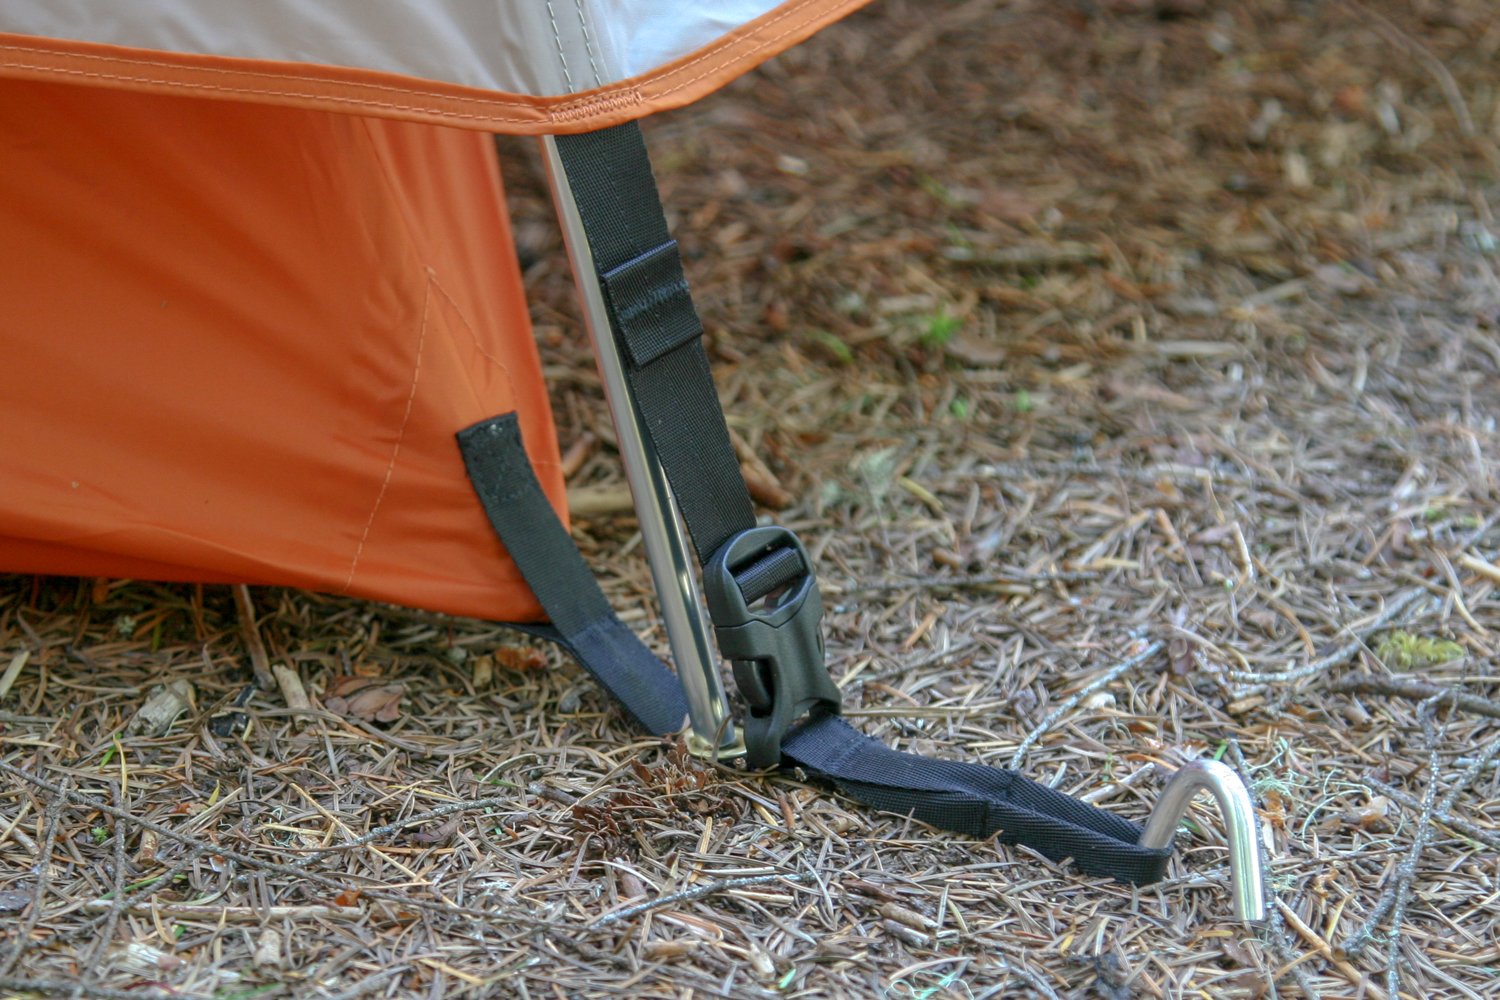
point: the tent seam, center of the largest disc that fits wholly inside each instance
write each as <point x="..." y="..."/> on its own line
<point x="419" y="249"/>
<point x="390" y="469"/>
<point x="567" y="109"/>
<point x="561" y="57"/>
<point x="510" y="380"/>
<point x="588" y="43"/>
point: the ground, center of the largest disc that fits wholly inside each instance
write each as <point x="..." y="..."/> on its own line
<point x="1131" y="367"/>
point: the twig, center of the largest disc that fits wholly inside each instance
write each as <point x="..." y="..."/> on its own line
<point x="112" y="917"/>
<point x="1357" y="979"/>
<point x="1394" y="897"/>
<point x="1280" y="940"/>
<point x="400" y="824"/>
<point x="1406" y="871"/>
<point x="956" y="19"/>
<point x="696" y="892"/>
<point x="260" y="663"/>
<point x="129" y="900"/>
<point x="43" y="878"/>
<point x="1405" y="687"/>
<point x="60" y="987"/>
<point x="261" y="864"/>
<point x="1430" y="62"/>
<point x="17" y="663"/>
<point x="962" y="582"/>
<point x="194" y="911"/>
<point x="1068" y="704"/>
<point x="1393" y="608"/>
<point x="1031" y="979"/>
<point x="1457" y="823"/>
<point x="368" y="983"/>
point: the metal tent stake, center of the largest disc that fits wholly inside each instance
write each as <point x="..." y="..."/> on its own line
<point x="1239" y="827"/>
<point x="667" y="547"/>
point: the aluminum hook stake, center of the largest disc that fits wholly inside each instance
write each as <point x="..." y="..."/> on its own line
<point x="1245" y="876"/>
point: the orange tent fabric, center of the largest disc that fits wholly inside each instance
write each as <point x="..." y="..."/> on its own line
<point x="238" y="340"/>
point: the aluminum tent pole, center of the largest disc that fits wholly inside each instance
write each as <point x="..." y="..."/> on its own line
<point x="667" y="547"/>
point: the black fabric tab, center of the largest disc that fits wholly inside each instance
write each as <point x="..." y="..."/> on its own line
<point x="650" y="304"/>
<point x="501" y="474"/>
<point x="975" y="800"/>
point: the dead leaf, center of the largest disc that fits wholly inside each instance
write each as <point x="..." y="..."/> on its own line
<point x="166" y="704"/>
<point x="364" y="698"/>
<point x="976" y="351"/>
<point x="520" y="658"/>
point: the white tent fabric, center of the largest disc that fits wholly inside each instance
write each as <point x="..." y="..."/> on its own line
<point x="542" y="48"/>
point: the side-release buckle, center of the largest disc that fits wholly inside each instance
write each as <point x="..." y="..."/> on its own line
<point x="768" y="617"/>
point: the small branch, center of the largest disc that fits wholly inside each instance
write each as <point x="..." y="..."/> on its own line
<point x="13" y="671"/>
<point x="1067" y="706"/>
<point x="1031" y="979"/>
<point x="260" y="663"/>
<point x="696" y="892"/>
<point x="112" y="910"/>
<point x="1280" y="940"/>
<point x="1457" y="823"/>
<point x="1357" y="980"/>
<point x="257" y="864"/>
<point x="1406" y="871"/>
<point x="1405" y="687"/>
<point x="1430" y="62"/>
<point x="192" y="911"/>
<point x="43" y="880"/>
<point x="400" y="824"/>
<point x="63" y="987"/>
<point x="1396" y="606"/>
<point x="973" y="582"/>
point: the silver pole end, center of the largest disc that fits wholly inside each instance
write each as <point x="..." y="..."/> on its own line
<point x="1245" y="875"/>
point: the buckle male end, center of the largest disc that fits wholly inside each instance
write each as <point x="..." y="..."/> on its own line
<point x="768" y="617"/>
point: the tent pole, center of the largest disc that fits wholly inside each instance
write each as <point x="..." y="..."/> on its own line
<point x="667" y="548"/>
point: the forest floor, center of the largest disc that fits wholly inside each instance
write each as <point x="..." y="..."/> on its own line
<point x="1132" y="370"/>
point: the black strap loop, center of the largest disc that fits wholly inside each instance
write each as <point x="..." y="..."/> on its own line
<point x="582" y="620"/>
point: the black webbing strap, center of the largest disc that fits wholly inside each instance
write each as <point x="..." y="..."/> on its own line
<point x="971" y="799"/>
<point x="582" y="620"/>
<point x="975" y="800"/>
<point x="657" y="329"/>
<point x="654" y="322"/>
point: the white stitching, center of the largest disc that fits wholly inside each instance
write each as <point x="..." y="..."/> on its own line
<point x="390" y="469"/>
<point x="557" y="37"/>
<point x="588" y="42"/>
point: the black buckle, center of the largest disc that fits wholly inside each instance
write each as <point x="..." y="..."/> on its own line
<point x="776" y="647"/>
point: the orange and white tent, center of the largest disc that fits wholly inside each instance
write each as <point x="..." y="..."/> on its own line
<point x="256" y="271"/>
<point x="256" y="277"/>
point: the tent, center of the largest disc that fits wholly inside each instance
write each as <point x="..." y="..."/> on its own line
<point x="259" y="281"/>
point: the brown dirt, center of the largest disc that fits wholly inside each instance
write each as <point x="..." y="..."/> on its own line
<point x="1069" y="328"/>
